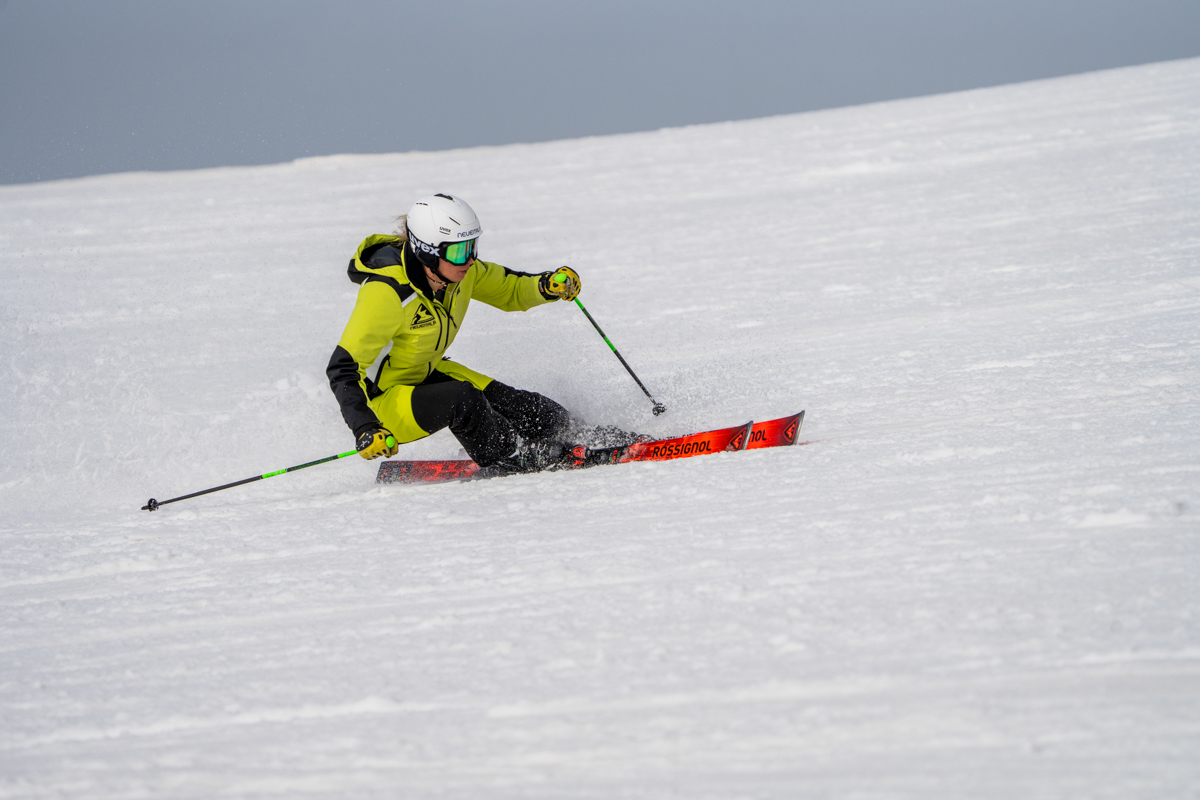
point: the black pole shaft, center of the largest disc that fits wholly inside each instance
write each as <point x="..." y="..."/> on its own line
<point x="658" y="407"/>
<point x="153" y="504"/>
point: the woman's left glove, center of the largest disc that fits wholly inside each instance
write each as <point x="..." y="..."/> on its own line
<point x="377" y="442"/>
<point x="562" y="283"/>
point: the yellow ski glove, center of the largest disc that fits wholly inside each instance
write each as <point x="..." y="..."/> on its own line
<point x="376" y="443"/>
<point x="563" y="283"/>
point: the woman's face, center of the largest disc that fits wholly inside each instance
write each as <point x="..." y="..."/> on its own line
<point x="454" y="272"/>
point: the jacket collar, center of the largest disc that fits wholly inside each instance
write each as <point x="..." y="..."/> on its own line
<point x="415" y="272"/>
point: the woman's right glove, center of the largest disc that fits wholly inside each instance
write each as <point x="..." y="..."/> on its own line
<point x="377" y="442"/>
<point x="562" y="283"/>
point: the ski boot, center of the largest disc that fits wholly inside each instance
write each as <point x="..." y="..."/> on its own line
<point x="531" y="455"/>
<point x="602" y="436"/>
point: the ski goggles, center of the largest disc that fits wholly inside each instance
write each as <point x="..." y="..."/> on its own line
<point x="458" y="253"/>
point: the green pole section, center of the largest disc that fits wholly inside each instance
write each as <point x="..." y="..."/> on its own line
<point x="154" y="504"/>
<point x="658" y="407"/>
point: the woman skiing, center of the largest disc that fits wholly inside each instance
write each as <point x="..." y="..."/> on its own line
<point x="416" y="286"/>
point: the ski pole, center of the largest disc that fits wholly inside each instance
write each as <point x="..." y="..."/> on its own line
<point x="658" y="407"/>
<point x="153" y="504"/>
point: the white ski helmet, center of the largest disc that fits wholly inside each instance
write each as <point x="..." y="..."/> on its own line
<point x="436" y="222"/>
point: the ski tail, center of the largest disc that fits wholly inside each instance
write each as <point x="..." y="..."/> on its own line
<point x="426" y="471"/>
<point x="780" y="432"/>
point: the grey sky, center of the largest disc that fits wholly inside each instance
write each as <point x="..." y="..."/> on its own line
<point x="95" y="87"/>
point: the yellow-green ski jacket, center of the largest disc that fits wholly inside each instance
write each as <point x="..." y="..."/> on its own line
<point x="395" y="304"/>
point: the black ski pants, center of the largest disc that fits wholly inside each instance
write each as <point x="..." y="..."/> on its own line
<point x="486" y="422"/>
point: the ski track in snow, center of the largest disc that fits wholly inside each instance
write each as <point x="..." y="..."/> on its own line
<point x="980" y="579"/>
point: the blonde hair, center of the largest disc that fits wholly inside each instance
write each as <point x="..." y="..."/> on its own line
<point x="402" y="227"/>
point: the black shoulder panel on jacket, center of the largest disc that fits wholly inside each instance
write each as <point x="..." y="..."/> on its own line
<point x="376" y="256"/>
<point x="384" y="254"/>
<point x="508" y="271"/>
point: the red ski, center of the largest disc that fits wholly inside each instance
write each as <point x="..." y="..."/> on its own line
<point x="426" y="471"/>
<point x="773" y="433"/>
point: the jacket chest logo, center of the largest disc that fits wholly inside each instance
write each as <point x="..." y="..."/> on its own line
<point x="422" y="319"/>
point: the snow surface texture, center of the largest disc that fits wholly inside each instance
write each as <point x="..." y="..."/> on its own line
<point x="982" y="580"/>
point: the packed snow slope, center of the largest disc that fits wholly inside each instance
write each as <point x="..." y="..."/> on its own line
<point x="982" y="579"/>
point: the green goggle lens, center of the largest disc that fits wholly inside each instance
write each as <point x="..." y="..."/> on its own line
<point x="460" y="253"/>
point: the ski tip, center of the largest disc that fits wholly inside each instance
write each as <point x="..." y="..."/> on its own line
<point x="792" y="431"/>
<point x="796" y="435"/>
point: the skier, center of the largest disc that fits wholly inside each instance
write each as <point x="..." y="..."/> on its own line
<point x="416" y="286"/>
